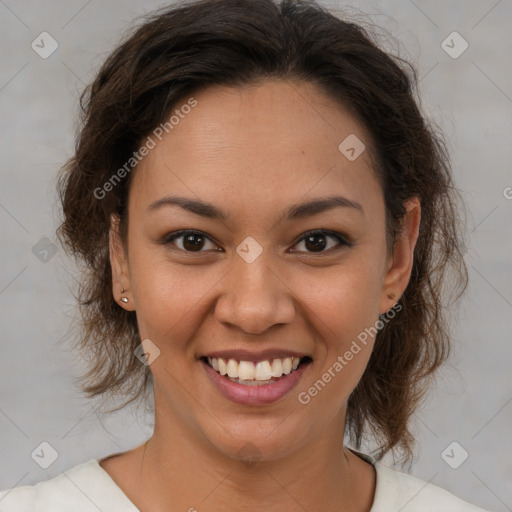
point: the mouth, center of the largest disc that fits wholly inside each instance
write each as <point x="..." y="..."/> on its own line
<point x="255" y="373"/>
<point x="254" y="382"/>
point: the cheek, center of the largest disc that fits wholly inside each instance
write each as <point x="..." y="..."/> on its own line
<point x="343" y="304"/>
<point x="345" y="322"/>
<point x="345" y="298"/>
<point x="167" y="296"/>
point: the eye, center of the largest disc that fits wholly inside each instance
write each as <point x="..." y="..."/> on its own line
<point x="317" y="241"/>
<point x="191" y="241"/>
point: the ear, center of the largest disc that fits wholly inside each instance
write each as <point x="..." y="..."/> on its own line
<point x="398" y="272"/>
<point x="121" y="285"/>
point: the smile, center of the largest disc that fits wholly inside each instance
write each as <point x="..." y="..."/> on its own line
<point x="255" y="382"/>
<point x="254" y="373"/>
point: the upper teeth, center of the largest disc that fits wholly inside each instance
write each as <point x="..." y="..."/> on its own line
<point x="261" y="370"/>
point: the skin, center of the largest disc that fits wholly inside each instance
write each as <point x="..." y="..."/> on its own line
<point x="253" y="152"/>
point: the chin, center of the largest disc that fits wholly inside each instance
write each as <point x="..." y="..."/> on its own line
<point x="253" y="440"/>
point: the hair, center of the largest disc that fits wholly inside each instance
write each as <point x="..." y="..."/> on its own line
<point x="190" y="46"/>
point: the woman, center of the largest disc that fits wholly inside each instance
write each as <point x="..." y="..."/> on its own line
<point x="267" y="220"/>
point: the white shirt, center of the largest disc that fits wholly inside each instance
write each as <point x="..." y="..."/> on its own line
<point x="88" y="487"/>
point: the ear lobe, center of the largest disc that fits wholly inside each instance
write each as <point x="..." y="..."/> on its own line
<point x="121" y="286"/>
<point x="399" y="270"/>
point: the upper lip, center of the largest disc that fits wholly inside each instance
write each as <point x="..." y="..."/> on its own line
<point x="246" y="355"/>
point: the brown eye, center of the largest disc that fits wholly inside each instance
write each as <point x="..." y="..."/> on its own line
<point x="318" y="241"/>
<point x="191" y="241"/>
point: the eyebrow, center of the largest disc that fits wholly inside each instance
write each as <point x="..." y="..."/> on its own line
<point x="296" y="211"/>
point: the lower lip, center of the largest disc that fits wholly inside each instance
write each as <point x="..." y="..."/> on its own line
<point x="254" y="395"/>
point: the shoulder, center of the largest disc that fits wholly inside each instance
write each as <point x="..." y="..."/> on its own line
<point x="398" y="491"/>
<point x="83" y="488"/>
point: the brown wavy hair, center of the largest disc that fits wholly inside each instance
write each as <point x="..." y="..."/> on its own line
<point x="181" y="49"/>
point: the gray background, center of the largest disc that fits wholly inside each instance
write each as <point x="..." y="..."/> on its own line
<point x="470" y="97"/>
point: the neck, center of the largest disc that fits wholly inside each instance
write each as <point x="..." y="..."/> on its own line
<point x="179" y="471"/>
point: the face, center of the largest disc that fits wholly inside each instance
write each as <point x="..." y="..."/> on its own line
<point x="256" y="275"/>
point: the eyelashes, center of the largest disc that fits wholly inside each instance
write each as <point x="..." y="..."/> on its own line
<point x="192" y="239"/>
<point x="324" y="234"/>
<point x="169" y="239"/>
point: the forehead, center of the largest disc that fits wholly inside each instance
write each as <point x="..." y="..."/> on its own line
<point x="257" y="147"/>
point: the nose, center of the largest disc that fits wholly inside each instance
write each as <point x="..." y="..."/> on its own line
<point x="254" y="297"/>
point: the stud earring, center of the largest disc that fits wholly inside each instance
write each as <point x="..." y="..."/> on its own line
<point x="124" y="299"/>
